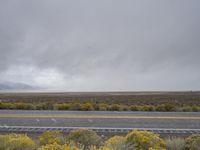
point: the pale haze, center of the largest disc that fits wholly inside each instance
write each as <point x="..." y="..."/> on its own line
<point x="100" y="45"/>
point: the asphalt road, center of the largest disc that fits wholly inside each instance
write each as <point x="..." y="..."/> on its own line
<point x="101" y="119"/>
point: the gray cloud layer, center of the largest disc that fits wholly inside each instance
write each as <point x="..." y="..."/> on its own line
<point x="101" y="45"/>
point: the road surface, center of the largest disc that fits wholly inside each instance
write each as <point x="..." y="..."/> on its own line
<point x="64" y="120"/>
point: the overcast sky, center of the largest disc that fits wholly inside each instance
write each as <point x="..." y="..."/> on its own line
<point x="101" y="45"/>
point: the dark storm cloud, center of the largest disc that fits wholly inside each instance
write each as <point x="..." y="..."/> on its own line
<point x="101" y="45"/>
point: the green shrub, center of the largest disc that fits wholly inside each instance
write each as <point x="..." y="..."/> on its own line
<point x="147" y="108"/>
<point x="103" y="107"/>
<point x="30" y="107"/>
<point x="95" y="106"/>
<point x="87" y="106"/>
<point x="195" y="108"/>
<point x="75" y="106"/>
<point x="175" y="143"/>
<point x="134" y="108"/>
<point x="186" y="108"/>
<point x="48" y="106"/>
<point x="143" y="140"/>
<point x="165" y="107"/>
<point x="160" y="108"/>
<point x="16" y="142"/>
<point x="61" y="106"/>
<point x="6" y="105"/>
<point x="44" y="106"/>
<point x="40" y="106"/>
<point x="85" y="137"/>
<point x="115" y="107"/>
<point x="193" y="142"/>
<point x="169" y="107"/>
<point x="125" y="108"/>
<point x="24" y="106"/>
<point x="50" y="137"/>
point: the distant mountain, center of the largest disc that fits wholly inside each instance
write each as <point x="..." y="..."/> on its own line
<point x="16" y="86"/>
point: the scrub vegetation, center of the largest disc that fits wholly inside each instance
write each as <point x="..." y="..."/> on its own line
<point x="98" y="107"/>
<point x="83" y="139"/>
<point x="103" y="101"/>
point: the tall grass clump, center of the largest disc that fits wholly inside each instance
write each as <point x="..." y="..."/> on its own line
<point x="175" y="143"/>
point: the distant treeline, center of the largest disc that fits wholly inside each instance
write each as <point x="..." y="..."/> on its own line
<point x="97" y="107"/>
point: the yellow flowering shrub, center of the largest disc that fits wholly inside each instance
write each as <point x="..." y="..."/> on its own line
<point x="56" y="146"/>
<point x="117" y="143"/>
<point x="51" y="137"/>
<point x="16" y="142"/>
<point x="100" y="148"/>
<point x="143" y="140"/>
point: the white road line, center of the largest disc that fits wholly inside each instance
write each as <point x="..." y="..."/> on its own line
<point x="90" y="120"/>
<point x="54" y="120"/>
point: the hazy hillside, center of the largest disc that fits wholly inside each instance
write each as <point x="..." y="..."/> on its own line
<point x="15" y="86"/>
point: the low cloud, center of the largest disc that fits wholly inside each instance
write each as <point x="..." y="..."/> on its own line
<point x="101" y="45"/>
